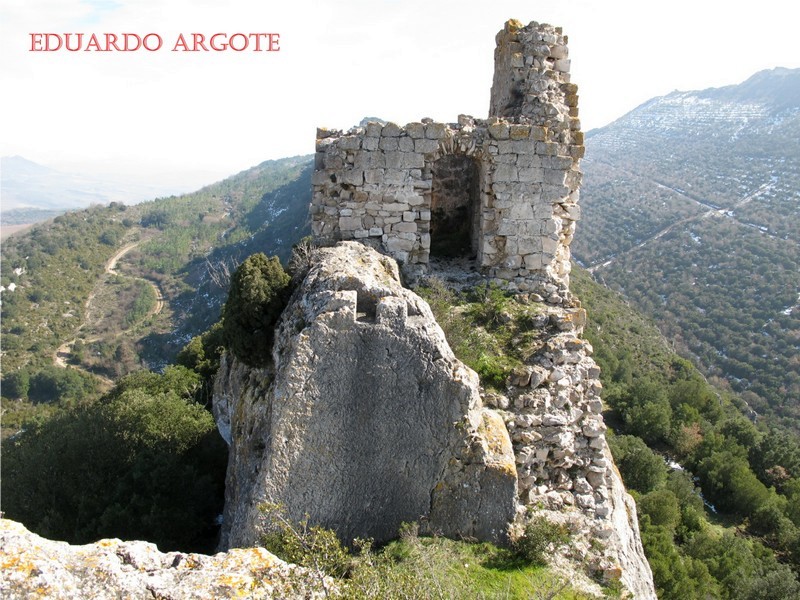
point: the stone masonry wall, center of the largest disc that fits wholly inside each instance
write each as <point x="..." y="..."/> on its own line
<point x="374" y="183"/>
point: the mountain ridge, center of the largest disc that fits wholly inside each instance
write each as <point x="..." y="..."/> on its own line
<point x="702" y="190"/>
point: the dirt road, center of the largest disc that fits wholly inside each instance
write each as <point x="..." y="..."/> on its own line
<point x="63" y="352"/>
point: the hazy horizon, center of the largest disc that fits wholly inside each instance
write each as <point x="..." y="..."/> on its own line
<point x="203" y="116"/>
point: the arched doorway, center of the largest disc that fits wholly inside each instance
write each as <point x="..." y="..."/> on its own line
<point x="455" y="202"/>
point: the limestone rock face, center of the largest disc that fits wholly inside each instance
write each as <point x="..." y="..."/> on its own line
<point x="366" y="418"/>
<point x="626" y="541"/>
<point x="33" y="567"/>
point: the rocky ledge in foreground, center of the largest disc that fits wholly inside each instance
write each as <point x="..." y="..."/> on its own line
<point x="33" y="567"/>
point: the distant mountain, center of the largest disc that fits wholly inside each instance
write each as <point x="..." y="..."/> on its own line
<point x="691" y="208"/>
<point x="25" y="184"/>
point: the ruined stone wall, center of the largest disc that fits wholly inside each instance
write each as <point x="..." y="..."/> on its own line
<point x="375" y="183"/>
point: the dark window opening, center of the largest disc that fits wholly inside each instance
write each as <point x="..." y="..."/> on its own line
<point x="455" y="204"/>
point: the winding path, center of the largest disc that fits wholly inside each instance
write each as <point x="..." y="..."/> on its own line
<point x="711" y="211"/>
<point x="64" y="351"/>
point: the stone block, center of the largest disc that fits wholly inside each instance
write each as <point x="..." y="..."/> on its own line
<point x="531" y="175"/>
<point x="352" y="177"/>
<point x="535" y="262"/>
<point x="529" y="245"/>
<point x="523" y="147"/>
<point x="415" y="130"/>
<point x="391" y="130"/>
<point x="512" y="262"/>
<point x="489" y="246"/>
<point x="394" y="177"/>
<point x="554" y="177"/>
<point x="350" y="142"/>
<point x="562" y="65"/>
<point x="406" y="144"/>
<point x="350" y="223"/>
<point x="519" y="132"/>
<point x="549" y="245"/>
<point x="507" y="227"/>
<point x="405" y="227"/>
<point x="426" y="145"/>
<point x="577" y="152"/>
<point x="395" y="207"/>
<point x="394" y="159"/>
<point x="374" y="176"/>
<point x="397" y="244"/>
<point x="413" y="160"/>
<point x="521" y="211"/>
<point x="547" y="148"/>
<point x="505" y="173"/>
<point x="374" y="129"/>
<point x="435" y="131"/>
<point x="392" y="311"/>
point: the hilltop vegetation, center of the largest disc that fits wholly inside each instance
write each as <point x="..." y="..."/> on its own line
<point x="63" y="305"/>
<point x="691" y="210"/>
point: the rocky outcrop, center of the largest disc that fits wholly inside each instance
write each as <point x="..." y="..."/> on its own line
<point x="366" y="418"/>
<point x="33" y="567"/>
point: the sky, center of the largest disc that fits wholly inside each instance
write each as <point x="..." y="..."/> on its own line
<point x="196" y="117"/>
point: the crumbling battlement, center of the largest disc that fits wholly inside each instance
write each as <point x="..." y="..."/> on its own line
<point x="503" y="190"/>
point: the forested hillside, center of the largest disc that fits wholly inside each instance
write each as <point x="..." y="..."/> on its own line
<point x="691" y="209"/>
<point x="99" y="293"/>
<point x="717" y="496"/>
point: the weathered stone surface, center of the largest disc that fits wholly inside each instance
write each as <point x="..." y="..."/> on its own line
<point x="33" y="567"/>
<point x="368" y="419"/>
<point x="625" y="540"/>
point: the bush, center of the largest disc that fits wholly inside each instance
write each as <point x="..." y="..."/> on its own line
<point x="303" y="544"/>
<point x="139" y="466"/>
<point x="540" y="536"/>
<point x="258" y="295"/>
<point x="662" y="508"/>
<point x="642" y="469"/>
<point x="203" y="351"/>
<point x="16" y="385"/>
<point x="55" y="385"/>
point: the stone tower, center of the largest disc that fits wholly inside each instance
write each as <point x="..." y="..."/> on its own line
<point x="503" y="190"/>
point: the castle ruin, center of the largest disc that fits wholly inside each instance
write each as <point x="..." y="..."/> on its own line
<point x="503" y="190"/>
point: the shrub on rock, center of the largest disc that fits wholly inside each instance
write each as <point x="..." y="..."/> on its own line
<point x="258" y="295"/>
